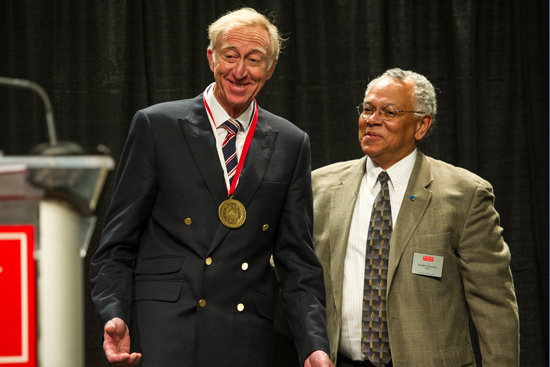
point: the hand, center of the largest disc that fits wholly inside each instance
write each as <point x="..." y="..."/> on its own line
<point x="117" y="344"/>
<point x="318" y="359"/>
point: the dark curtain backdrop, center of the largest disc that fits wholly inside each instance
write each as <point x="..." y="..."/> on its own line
<point x="100" y="61"/>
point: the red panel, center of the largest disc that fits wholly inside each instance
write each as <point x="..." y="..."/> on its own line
<point x="17" y="297"/>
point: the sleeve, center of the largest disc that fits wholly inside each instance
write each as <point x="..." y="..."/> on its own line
<point x="487" y="279"/>
<point x="299" y="271"/>
<point x="112" y="266"/>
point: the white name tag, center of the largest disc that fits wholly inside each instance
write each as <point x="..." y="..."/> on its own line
<point x="425" y="264"/>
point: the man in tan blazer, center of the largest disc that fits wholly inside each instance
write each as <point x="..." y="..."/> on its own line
<point x="446" y="252"/>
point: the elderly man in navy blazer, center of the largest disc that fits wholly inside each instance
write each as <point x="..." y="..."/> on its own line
<point x="207" y="190"/>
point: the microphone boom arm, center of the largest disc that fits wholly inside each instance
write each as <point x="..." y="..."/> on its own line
<point x="27" y="84"/>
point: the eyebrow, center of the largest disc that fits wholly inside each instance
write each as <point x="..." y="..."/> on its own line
<point x="387" y="104"/>
<point x="226" y="46"/>
<point x="260" y="50"/>
<point x="257" y="49"/>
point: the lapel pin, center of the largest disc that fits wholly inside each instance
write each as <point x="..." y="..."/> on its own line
<point x="412" y="197"/>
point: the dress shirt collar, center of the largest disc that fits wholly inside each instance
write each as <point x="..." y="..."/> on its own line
<point x="220" y="115"/>
<point x="399" y="173"/>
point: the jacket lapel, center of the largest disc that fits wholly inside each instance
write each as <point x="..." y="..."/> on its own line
<point x="200" y="139"/>
<point x="342" y="204"/>
<point x="257" y="160"/>
<point x="411" y="211"/>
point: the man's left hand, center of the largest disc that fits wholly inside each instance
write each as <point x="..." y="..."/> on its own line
<point x="318" y="359"/>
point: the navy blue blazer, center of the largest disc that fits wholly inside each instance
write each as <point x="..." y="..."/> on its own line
<point x="192" y="291"/>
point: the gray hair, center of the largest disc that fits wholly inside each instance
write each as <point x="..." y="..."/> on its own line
<point x="423" y="92"/>
<point x="246" y="17"/>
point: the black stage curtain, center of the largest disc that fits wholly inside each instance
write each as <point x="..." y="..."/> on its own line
<point x="101" y="61"/>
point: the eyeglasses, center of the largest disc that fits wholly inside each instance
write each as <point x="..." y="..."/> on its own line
<point x="386" y="113"/>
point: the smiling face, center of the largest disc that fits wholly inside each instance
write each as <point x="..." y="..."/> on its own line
<point x="387" y="142"/>
<point x="240" y="66"/>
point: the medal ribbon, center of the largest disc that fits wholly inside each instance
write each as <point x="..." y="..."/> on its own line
<point x="246" y="146"/>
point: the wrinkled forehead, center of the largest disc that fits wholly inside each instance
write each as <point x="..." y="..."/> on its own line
<point x="255" y="36"/>
<point x="391" y="91"/>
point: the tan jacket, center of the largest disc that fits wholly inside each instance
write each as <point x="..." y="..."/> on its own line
<point x="452" y="215"/>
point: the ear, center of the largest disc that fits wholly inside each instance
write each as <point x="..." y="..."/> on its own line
<point x="210" y="57"/>
<point x="422" y="127"/>
<point x="271" y="69"/>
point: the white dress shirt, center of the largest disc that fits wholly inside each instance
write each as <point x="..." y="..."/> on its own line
<point x="219" y="116"/>
<point x="354" y="269"/>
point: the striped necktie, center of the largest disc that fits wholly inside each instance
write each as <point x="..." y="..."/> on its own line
<point x="374" y="335"/>
<point x="228" y="147"/>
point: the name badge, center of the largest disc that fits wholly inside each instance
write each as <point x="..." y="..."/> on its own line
<point x="429" y="265"/>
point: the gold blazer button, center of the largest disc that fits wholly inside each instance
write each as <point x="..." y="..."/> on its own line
<point x="265" y="227"/>
<point x="244" y="266"/>
<point x="240" y="307"/>
<point x="188" y="221"/>
<point x="202" y="303"/>
<point x="208" y="261"/>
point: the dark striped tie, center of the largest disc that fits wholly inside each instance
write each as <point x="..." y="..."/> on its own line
<point x="374" y="336"/>
<point x="229" y="149"/>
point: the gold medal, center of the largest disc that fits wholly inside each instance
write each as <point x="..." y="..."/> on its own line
<point x="232" y="213"/>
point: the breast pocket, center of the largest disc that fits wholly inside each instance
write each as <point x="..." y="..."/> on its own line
<point x="273" y="188"/>
<point x="436" y="244"/>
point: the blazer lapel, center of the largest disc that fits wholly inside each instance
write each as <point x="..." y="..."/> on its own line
<point x="342" y="204"/>
<point x="200" y="139"/>
<point x="255" y="165"/>
<point x="257" y="160"/>
<point x="411" y="211"/>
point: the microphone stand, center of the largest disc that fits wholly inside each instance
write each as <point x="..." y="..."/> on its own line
<point x="54" y="147"/>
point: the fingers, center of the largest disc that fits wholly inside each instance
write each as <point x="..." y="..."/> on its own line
<point x="123" y="359"/>
<point x="115" y="328"/>
<point x="318" y="359"/>
<point x="128" y="360"/>
<point x="116" y="344"/>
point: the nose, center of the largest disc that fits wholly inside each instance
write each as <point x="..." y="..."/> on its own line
<point x="240" y="71"/>
<point x="373" y="119"/>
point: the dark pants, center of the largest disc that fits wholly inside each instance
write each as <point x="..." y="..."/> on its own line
<point x="344" y="361"/>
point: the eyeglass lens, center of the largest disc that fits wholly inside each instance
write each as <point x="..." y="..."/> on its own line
<point x="386" y="112"/>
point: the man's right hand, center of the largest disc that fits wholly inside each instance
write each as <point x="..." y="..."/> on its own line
<point x="116" y="344"/>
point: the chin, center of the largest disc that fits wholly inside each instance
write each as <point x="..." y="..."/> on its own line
<point x="367" y="150"/>
<point x="372" y="153"/>
<point x="239" y="102"/>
